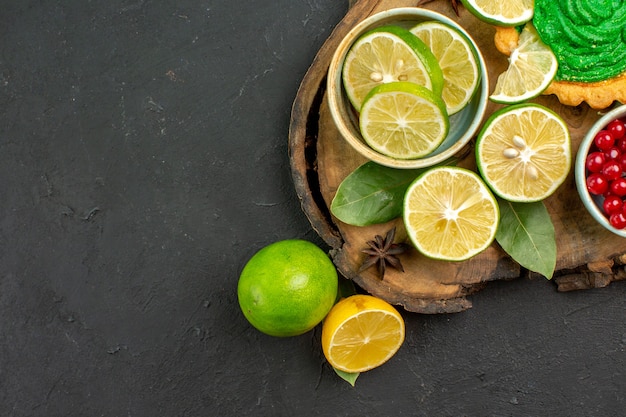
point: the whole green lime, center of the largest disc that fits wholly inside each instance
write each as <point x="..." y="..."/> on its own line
<point x="287" y="287"/>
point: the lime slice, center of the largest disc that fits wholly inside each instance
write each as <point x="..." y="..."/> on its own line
<point x="523" y="152"/>
<point x="532" y="67"/>
<point x="450" y="214"/>
<point x="388" y="54"/>
<point x="456" y="57"/>
<point x="501" y="12"/>
<point x="403" y="120"/>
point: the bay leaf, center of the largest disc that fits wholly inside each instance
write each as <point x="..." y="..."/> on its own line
<point x="527" y="234"/>
<point x="345" y="288"/>
<point x="350" y="378"/>
<point x="373" y="194"/>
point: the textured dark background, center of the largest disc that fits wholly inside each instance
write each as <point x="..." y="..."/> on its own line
<point x="143" y="160"/>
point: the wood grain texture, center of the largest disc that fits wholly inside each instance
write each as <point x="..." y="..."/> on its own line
<point x="321" y="159"/>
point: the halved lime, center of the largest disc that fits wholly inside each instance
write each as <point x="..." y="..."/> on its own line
<point x="388" y="54"/>
<point x="456" y="57"/>
<point x="532" y="67"/>
<point x="403" y="120"/>
<point x="501" y="12"/>
<point x="450" y="214"/>
<point x="523" y="152"/>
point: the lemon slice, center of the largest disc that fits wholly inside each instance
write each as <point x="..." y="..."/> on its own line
<point x="450" y="214"/>
<point x="388" y="54"/>
<point x="403" y="120"/>
<point x="457" y="59"/>
<point x="532" y="67"/>
<point x="523" y="152"/>
<point x="361" y="332"/>
<point x="501" y="12"/>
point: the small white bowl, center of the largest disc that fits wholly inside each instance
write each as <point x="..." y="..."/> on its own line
<point x="463" y="125"/>
<point x="593" y="203"/>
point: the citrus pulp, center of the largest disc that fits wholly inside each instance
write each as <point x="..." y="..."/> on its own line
<point x="403" y="120"/>
<point x="361" y="332"/>
<point x="450" y="214"/>
<point x="457" y="59"/>
<point x="523" y="152"/>
<point x="387" y="54"/>
<point x="532" y="67"/>
<point x="501" y="12"/>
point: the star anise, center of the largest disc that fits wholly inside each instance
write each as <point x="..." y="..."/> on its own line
<point x="455" y="4"/>
<point x="383" y="252"/>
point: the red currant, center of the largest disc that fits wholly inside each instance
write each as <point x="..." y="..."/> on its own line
<point x="622" y="161"/>
<point x="613" y="153"/>
<point x="621" y="144"/>
<point x="612" y="170"/>
<point x="618" y="187"/>
<point x="616" y="128"/>
<point x="595" y="161"/>
<point x="604" y="140"/>
<point x="618" y="220"/>
<point x="612" y="204"/>
<point x="597" y="184"/>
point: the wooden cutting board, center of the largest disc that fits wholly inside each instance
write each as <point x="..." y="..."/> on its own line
<point x="588" y="255"/>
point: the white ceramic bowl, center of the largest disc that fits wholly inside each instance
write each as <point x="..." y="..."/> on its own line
<point x="593" y="203"/>
<point x="463" y="125"/>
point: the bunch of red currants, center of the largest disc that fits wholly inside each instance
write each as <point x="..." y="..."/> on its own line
<point x="606" y="171"/>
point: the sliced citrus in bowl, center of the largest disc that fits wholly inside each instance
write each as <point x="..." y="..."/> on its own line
<point x="450" y="214"/>
<point x="403" y="120"/>
<point x="457" y="59"/>
<point x="532" y="67"/>
<point x="501" y="12"/>
<point x="523" y="152"/>
<point x="387" y="54"/>
<point x="361" y="332"/>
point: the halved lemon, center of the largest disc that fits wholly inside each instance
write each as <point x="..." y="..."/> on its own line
<point x="501" y="12"/>
<point x="523" y="152"/>
<point x="403" y="120"/>
<point x="457" y="58"/>
<point x="532" y="67"/>
<point x="450" y="214"/>
<point x="387" y="54"/>
<point x="361" y="332"/>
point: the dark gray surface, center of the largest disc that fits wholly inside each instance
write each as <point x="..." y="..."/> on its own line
<point x="143" y="157"/>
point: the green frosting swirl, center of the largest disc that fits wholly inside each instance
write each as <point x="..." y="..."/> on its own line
<point x="588" y="37"/>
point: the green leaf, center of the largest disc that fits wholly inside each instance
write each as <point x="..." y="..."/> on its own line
<point x="345" y="288"/>
<point x="348" y="377"/>
<point x="373" y="194"/>
<point x="526" y="233"/>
